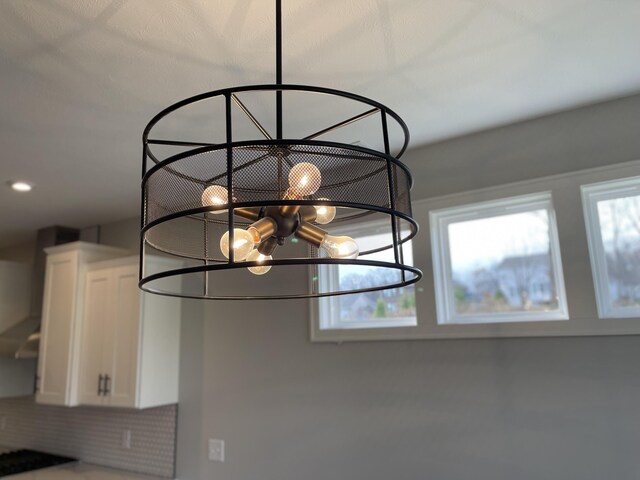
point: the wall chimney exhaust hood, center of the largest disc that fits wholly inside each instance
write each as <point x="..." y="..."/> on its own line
<point x="21" y="290"/>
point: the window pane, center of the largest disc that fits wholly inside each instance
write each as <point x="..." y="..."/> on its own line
<point x="384" y="308"/>
<point x="620" y="230"/>
<point x="502" y="264"/>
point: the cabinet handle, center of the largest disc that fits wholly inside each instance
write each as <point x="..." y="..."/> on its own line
<point x="107" y="385"/>
<point x="101" y="391"/>
<point x="36" y="383"/>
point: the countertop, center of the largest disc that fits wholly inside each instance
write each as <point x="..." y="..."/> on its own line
<point x="80" y="471"/>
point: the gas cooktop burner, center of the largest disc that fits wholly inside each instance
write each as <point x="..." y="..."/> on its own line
<point x="20" y="461"/>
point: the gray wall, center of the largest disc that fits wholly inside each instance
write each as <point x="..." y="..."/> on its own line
<point x="553" y="408"/>
<point x="592" y="136"/>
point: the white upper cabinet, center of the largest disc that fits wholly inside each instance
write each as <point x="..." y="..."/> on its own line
<point x="62" y="318"/>
<point x="120" y="349"/>
<point x="131" y="340"/>
<point x="122" y="338"/>
<point x="95" y="322"/>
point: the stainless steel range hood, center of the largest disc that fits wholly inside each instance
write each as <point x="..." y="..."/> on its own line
<point x="21" y="339"/>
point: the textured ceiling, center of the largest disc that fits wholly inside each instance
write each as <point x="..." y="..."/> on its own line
<point x="79" y="79"/>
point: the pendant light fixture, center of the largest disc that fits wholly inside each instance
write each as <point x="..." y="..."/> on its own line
<point x="271" y="216"/>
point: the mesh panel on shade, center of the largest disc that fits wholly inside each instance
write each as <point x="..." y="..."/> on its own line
<point x="253" y="176"/>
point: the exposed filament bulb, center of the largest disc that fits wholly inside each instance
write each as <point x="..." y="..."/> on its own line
<point x="243" y="243"/>
<point x="340" y="247"/>
<point x="325" y="213"/>
<point x="215" y="195"/>
<point x="304" y="179"/>
<point x="256" y="256"/>
<point x="245" y="240"/>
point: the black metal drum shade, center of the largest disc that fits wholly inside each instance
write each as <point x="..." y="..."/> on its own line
<point x="252" y="178"/>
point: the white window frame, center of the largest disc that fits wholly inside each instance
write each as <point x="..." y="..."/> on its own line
<point x="591" y="195"/>
<point x="580" y="293"/>
<point x="443" y="274"/>
<point x="323" y="309"/>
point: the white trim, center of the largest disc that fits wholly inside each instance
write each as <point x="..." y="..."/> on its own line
<point x="441" y="219"/>
<point x="592" y="194"/>
<point x="583" y="320"/>
<point x="327" y="325"/>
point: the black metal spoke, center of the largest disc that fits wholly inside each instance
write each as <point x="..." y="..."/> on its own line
<point x="360" y="179"/>
<point x="253" y="119"/>
<point x="344" y="123"/>
<point x="240" y="167"/>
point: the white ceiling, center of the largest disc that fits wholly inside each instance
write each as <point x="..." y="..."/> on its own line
<point x="79" y="79"/>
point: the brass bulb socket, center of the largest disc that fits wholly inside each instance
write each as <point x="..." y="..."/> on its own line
<point x="289" y="210"/>
<point x="308" y="213"/>
<point x="248" y="213"/>
<point x="268" y="246"/>
<point x="311" y="234"/>
<point x="263" y="228"/>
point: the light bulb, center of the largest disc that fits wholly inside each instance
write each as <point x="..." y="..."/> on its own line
<point x="304" y="179"/>
<point x="256" y="256"/>
<point x="325" y="213"/>
<point x="243" y="243"/>
<point x="340" y="247"/>
<point x="215" y="195"/>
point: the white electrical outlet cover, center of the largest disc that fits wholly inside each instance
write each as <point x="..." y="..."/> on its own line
<point x="126" y="439"/>
<point x="216" y="450"/>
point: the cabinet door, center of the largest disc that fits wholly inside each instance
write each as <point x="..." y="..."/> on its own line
<point x="58" y="313"/>
<point x="96" y="316"/>
<point x="124" y="338"/>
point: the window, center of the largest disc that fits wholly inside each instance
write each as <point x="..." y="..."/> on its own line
<point x="612" y="216"/>
<point x="498" y="261"/>
<point x="394" y="307"/>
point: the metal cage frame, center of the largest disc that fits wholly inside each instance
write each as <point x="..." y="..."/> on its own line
<point x="152" y="167"/>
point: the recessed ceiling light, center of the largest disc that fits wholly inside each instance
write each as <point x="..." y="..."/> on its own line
<point x="21" y="186"/>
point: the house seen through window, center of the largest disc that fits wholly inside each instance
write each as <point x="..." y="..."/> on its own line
<point x="613" y="223"/>
<point x="502" y="264"/>
<point x="394" y="307"/>
<point x="498" y="261"/>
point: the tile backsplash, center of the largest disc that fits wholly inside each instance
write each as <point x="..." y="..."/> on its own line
<point x="94" y="435"/>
